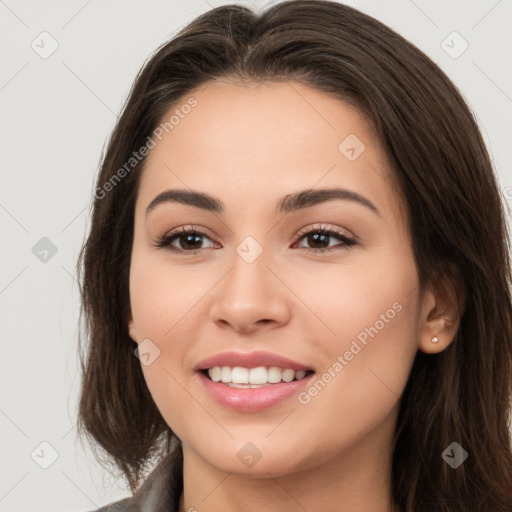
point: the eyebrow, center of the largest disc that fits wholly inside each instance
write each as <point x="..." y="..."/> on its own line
<point x="289" y="203"/>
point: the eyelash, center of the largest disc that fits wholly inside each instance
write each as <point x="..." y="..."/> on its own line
<point x="166" y="240"/>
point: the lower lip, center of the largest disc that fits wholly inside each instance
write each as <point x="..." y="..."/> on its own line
<point x="255" y="399"/>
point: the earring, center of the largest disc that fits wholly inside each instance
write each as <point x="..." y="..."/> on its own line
<point x="435" y="339"/>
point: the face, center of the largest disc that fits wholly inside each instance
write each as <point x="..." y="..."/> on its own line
<point x="322" y="288"/>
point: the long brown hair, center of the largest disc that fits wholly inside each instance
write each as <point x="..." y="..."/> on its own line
<point x="457" y="221"/>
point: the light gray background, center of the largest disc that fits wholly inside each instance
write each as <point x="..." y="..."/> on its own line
<point x="56" y="116"/>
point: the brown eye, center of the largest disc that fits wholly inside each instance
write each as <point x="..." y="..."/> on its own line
<point x="189" y="240"/>
<point x="319" y="240"/>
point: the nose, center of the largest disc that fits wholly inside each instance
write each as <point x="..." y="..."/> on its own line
<point x="250" y="297"/>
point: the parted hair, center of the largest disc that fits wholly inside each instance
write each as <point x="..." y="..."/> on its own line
<point x="457" y="224"/>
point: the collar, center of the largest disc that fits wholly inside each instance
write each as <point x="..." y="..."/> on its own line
<point x="162" y="489"/>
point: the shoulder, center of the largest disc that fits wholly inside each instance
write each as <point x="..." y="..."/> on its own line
<point x="160" y="492"/>
<point x="117" y="506"/>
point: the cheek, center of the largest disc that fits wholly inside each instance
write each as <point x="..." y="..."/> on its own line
<point x="372" y="318"/>
<point x="161" y="295"/>
<point x="169" y="394"/>
<point x="163" y="299"/>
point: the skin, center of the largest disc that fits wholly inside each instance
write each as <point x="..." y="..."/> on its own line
<point x="250" y="145"/>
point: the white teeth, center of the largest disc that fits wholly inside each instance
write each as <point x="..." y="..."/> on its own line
<point x="258" y="375"/>
<point x="288" y="375"/>
<point x="274" y="375"/>
<point x="216" y="373"/>
<point x="225" y="374"/>
<point x="241" y="377"/>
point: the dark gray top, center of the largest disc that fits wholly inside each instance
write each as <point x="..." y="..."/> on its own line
<point x="160" y="492"/>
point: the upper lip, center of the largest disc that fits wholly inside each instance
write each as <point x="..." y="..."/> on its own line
<point x="250" y="360"/>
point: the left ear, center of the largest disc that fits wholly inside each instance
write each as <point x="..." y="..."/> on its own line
<point x="442" y="310"/>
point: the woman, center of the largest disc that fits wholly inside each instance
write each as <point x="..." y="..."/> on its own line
<point x="296" y="283"/>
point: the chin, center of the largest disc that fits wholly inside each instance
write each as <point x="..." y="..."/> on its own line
<point x="254" y="460"/>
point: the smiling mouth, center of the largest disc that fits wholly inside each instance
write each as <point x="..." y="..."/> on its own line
<point x="251" y="378"/>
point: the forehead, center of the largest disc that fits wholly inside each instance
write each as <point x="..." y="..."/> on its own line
<point x="258" y="142"/>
